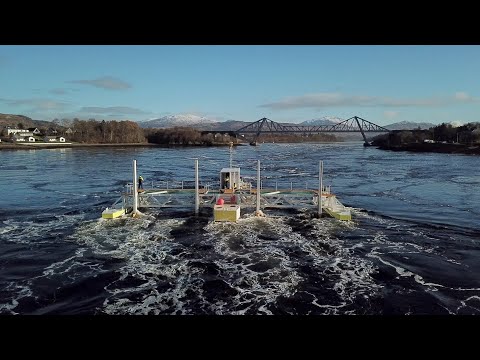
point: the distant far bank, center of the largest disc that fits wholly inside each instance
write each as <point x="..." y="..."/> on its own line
<point x="32" y="146"/>
<point x="10" y="146"/>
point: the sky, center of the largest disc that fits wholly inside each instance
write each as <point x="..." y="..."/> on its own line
<point x="382" y="84"/>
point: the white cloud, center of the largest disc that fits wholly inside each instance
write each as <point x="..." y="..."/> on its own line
<point x="124" y="110"/>
<point x="462" y="96"/>
<point x="390" y="114"/>
<point x="106" y="82"/>
<point x="37" y="104"/>
<point x="323" y="100"/>
<point x="59" y="91"/>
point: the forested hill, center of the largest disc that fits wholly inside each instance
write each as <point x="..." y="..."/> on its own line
<point x="15" y="120"/>
<point x="81" y="131"/>
<point x="19" y="121"/>
<point x="118" y="132"/>
<point x="106" y="132"/>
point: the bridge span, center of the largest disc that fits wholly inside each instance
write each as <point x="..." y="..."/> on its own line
<point x="267" y="126"/>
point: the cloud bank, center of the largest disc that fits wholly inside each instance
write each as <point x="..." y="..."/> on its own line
<point x="37" y="104"/>
<point x="124" y="110"/>
<point x="323" y="100"/>
<point x="389" y="114"/>
<point x="106" y="82"/>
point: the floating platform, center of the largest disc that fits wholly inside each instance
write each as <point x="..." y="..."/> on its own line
<point x="112" y="213"/>
<point x="336" y="209"/>
<point x="227" y="196"/>
<point x="226" y="212"/>
<point x="339" y="214"/>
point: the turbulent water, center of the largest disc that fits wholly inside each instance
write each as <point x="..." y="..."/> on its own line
<point x="413" y="246"/>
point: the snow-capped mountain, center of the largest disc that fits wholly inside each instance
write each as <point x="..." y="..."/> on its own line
<point x="325" y="120"/>
<point x="187" y="120"/>
<point x="408" y="125"/>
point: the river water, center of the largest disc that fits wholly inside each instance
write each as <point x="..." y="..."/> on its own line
<point x="412" y="247"/>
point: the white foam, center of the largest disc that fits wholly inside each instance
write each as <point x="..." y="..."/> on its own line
<point x="18" y="291"/>
<point x="26" y="232"/>
<point x="472" y="302"/>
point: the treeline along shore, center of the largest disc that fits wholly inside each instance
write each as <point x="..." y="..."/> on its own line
<point x="88" y="133"/>
<point x="443" y="138"/>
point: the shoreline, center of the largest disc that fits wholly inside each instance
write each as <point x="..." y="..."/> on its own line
<point x="435" y="148"/>
<point x="32" y="146"/>
<point x="63" y="146"/>
<point x="10" y="146"/>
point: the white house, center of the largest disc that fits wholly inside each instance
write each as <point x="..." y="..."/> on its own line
<point x="34" y="131"/>
<point x="54" y="139"/>
<point x="15" y="131"/>
<point x="17" y="137"/>
<point x="25" y="134"/>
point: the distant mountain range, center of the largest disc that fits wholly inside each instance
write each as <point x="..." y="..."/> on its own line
<point x="203" y="123"/>
<point x="407" y="125"/>
<point x="13" y="121"/>
<point x="326" y="120"/>
<point x="187" y="120"/>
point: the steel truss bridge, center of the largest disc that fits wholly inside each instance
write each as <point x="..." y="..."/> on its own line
<point x="267" y="126"/>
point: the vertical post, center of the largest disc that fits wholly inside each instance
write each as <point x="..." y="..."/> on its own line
<point x="320" y="188"/>
<point x="197" y="199"/>
<point x="135" y="189"/>
<point x="258" y="186"/>
<point x="291" y="185"/>
<point x="276" y="185"/>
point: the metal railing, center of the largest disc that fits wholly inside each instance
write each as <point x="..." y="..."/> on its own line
<point x="212" y="185"/>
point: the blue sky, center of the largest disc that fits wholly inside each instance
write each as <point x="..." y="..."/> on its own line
<point x="382" y="84"/>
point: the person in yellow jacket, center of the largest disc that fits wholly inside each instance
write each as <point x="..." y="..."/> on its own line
<point x="140" y="182"/>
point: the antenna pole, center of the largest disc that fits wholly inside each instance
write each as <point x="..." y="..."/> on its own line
<point x="135" y="189"/>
